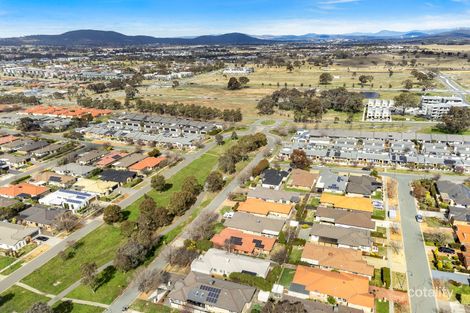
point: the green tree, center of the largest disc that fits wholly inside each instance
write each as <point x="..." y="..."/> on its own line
<point x="233" y="84"/>
<point x="158" y="183"/>
<point x="325" y="78"/>
<point x="215" y="181"/>
<point x="456" y="120"/>
<point x="88" y="271"/>
<point x="406" y="100"/>
<point x="154" y="153"/>
<point x="112" y="214"/>
<point x="244" y="80"/>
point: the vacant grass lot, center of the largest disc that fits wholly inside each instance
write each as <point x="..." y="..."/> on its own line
<point x="99" y="246"/>
<point x="149" y="307"/>
<point x="17" y="299"/>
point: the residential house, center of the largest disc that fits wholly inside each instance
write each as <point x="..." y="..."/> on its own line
<point x="347" y="203"/>
<point x="68" y="199"/>
<point x="95" y="186"/>
<point x="35" y="145"/>
<point x="272" y="195"/>
<point x="7" y="203"/>
<point x="362" y="186"/>
<point x="120" y="177"/>
<point x="263" y="208"/>
<point x="14" y="237"/>
<point x="90" y="157"/>
<point x="320" y="307"/>
<point x="462" y="232"/>
<point x="74" y="169"/>
<point x="301" y="179"/>
<point x="242" y="243"/>
<point x="454" y="194"/>
<point x="222" y="263"/>
<point x="273" y="179"/>
<point x="15" y="145"/>
<point x="15" y="161"/>
<point x="340" y="259"/>
<point x="110" y="158"/>
<point x="127" y="161"/>
<point x="7" y="139"/>
<point x="458" y="215"/>
<point x="40" y="216"/>
<point x="203" y="293"/>
<point x="54" y="179"/>
<point x="344" y="218"/>
<point x="23" y="190"/>
<point x="47" y="150"/>
<point x="147" y="164"/>
<point x="347" y="289"/>
<point x="329" y="181"/>
<point x="342" y="237"/>
<point x="253" y="224"/>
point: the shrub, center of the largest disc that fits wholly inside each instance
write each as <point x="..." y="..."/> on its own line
<point x="386" y="276"/>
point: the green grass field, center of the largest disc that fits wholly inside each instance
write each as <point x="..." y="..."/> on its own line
<point x="75" y="308"/>
<point x="99" y="246"/>
<point x="107" y="292"/>
<point x="286" y="277"/>
<point x="5" y="261"/>
<point x="382" y="307"/>
<point x="17" y="299"/>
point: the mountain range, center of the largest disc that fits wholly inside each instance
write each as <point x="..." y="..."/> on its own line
<point x="111" y="38"/>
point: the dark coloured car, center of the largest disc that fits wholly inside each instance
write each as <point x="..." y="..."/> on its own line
<point x="42" y="238"/>
<point x="446" y="250"/>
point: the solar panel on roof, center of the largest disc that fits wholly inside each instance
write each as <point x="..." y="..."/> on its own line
<point x="212" y="293"/>
<point x="236" y="241"/>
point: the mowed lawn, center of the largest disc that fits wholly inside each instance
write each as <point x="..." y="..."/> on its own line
<point x="76" y="308"/>
<point x="200" y="168"/>
<point x="17" y="299"/>
<point x="99" y="246"/>
<point x="5" y="261"/>
<point x="105" y="293"/>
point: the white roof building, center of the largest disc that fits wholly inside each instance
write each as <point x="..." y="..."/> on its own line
<point x="69" y="199"/>
<point x="220" y="262"/>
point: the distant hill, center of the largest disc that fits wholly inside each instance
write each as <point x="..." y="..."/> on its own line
<point x="111" y="38"/>
<point x="98" y="38"/>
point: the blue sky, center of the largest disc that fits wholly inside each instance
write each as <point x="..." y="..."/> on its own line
<point x="258" y="17"/>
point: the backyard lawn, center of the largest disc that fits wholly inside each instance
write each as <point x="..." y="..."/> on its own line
<point x="286" y="277"/>
<point x="295" y="254"/>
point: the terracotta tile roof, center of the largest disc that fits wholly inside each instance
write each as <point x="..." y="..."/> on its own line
<point x="23" y="188"/>
<point x="261" y="207"/>
<point x="147" y="163"/>
<point x="463" y="233"/>
<point x="242" y="242"/>
<point x="353" y="288"/>
<point x="303" y="178"/>
<point x="347" y="203"/>
<point x="342" y="259"/>
<point x="66" y="111"/>
<point x="110" y="158"/>
<point x="7" y="139"/>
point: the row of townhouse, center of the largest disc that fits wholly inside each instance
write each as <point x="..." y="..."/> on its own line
<point x="152" y="122"/>
<point x="177" y="140"/>
<point x="451" y="152"/>
<point x="43" y="122"/>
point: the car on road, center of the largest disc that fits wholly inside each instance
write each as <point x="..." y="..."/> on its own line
<point x="419" y="218"/>
<point x="446" y="250"/>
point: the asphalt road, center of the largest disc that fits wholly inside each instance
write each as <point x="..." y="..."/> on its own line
<point x="421" y="291"/>
<point x="36" y="263"/>
<point x="453" y="86"/>
<point x="131" y="293"/>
